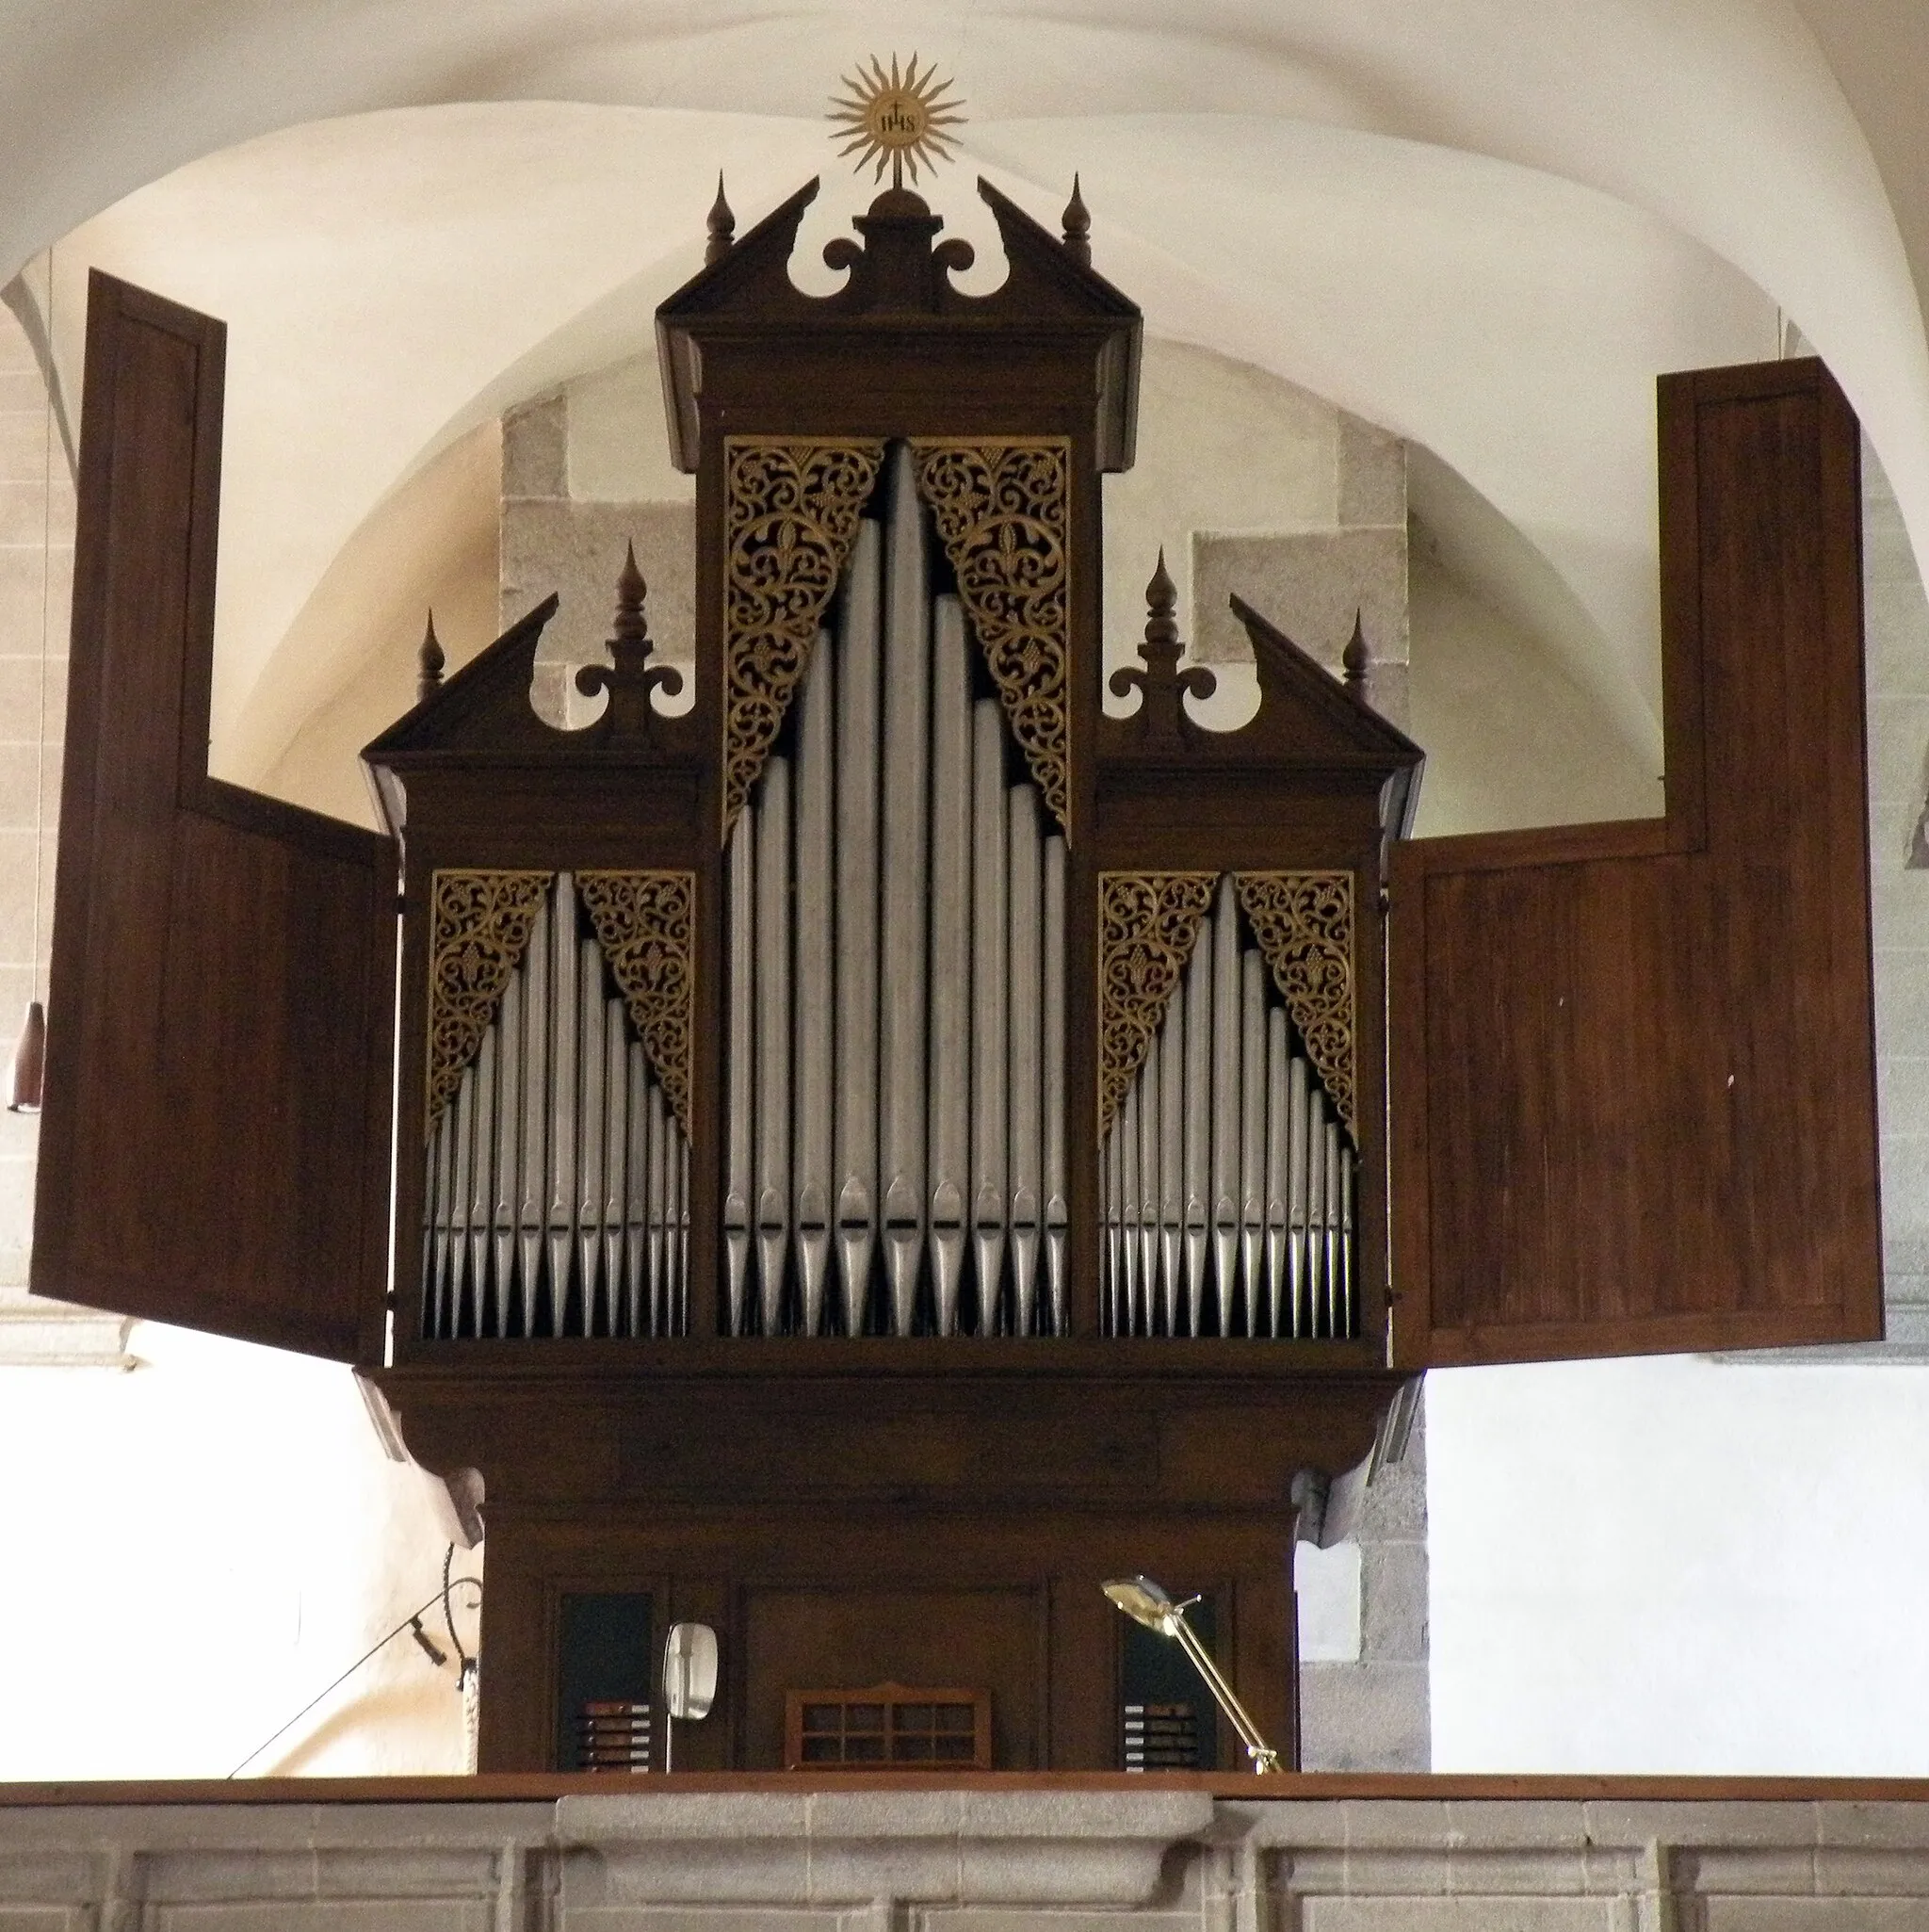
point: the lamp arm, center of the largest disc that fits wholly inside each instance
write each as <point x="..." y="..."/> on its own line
<point x="1262" y="1754"/>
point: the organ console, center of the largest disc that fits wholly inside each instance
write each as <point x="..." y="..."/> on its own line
<point x="891" y="1145"/>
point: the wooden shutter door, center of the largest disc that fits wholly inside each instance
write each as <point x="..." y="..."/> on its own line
<point x="1633" y="1066"/>
<point x="215" y="1145"/>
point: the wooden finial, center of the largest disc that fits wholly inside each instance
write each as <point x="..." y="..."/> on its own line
<point x="631" y="627"/>
<point x="1354" y="659"/>
<point x="1077" y="225"/>
<point x="1161" y="600"/>
<point x="1161" y="718"/>
<point x="429" y="662"/>
<point x="632" y="679"/>
<point x="722" y="225"/>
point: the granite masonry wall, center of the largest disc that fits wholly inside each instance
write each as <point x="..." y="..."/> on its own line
<point x="980" y="1861"/>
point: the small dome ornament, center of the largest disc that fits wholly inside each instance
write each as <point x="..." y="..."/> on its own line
<point x="895" y="118"/>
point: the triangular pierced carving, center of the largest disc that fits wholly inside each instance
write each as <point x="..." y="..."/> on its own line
<point x="1148" y="924"/>
<point x="480" y="926"/>
<point x="1003" y="510"/>
<point x="1304" y="922"/>
<point x="645" y="923"/>
<point x="791" y="506"/>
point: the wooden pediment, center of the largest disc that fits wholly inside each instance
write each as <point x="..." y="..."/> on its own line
<point x="898" y="281"/>
<point x="483" y="713"/>
<point x="1306" y="721"/>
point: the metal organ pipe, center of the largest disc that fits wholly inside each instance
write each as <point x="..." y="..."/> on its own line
<point x="772" y="960"/>
<point x="815" y="1016"/>
<point x="1056" y="1206"/>
<point x="990" y="1009"/>
<point x="549" y="1174"/>
<point x="856" y="913"/>
<point x="950" y="943"/>
<point x="740" y="1116"/>
<point x="1024" y="1061"/>
<point x="903" y="1005"/>
<point x="534" y="1149"/>
<point x="1226" y="1179"/>
<point x="561" y="1175"/>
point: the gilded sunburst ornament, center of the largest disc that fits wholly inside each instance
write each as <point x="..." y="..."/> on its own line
<point x="895" y="118"/>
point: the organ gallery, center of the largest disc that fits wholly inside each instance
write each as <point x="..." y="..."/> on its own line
<point x="861" y="1157"/>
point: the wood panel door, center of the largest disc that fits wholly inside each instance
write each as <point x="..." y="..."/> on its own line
<point x="215" y="1146"/>
<point x="1633" y="1066"/>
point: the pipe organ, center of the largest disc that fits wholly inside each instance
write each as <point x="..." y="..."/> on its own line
<point x="894" y="1145"/>
<point x="892" y="1076"/>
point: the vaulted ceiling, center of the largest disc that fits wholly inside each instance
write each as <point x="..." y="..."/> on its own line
<point x="1486" y="224"/>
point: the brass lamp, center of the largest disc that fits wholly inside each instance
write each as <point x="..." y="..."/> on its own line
<point x="1144" y="1601"/>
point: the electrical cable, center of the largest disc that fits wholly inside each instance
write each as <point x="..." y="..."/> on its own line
<point x="448" y="1616"/>
<point x="441" y="1596"/>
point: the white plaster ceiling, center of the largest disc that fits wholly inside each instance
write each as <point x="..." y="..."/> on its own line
<point x="1486" y="225"/>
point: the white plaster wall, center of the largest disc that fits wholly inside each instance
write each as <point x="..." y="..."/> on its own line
<point x="1679" y="1566"/>
<point x="197" y="1547"/>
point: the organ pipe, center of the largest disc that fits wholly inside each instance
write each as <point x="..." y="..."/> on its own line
<point x="815" y="1016"/>
<point x="856" y="991"/>
<point x="951" y="942"/>
<point x="905" y="883"/>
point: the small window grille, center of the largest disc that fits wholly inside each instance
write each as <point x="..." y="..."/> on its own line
<point x="891" y="1724"/>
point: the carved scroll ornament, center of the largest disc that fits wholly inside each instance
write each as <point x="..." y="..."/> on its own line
<point x="645" y="923"/>
<point x="1304" y="922"/>
<point x="1003" y="510"/>
<point x="480" y="926"/>
<point x="1148" y="924"/>
<point x="790" y="514"/>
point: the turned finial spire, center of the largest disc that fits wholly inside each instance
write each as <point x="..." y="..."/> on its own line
<point x="722" y="226"/>
<point x="631" y="626"/>
<point x="632" y="680"/>
<point x="1355" y="661"/>
<point x="1161" y="600"/>
<point x="1077" y="226"/>
<point x="428" y="663"/>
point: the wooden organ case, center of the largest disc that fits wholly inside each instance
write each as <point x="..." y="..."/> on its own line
<point x="891" y="1145"/>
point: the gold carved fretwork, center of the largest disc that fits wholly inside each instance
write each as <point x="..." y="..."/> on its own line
<point x="646" y="924"/>
<point x="480" y="925"/>
<point x="1148" y="924"/>
<point x="790" y="510"/>
<point x="1003" y="509"/>
<point x="1304" y="922"/>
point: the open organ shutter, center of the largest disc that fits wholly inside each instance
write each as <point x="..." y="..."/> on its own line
<point x="1633" y="1065"/>
<point x="214" y="1145"/>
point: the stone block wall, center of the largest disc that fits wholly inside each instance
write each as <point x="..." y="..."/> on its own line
<point x="557" y="538"/>
<point x="1371" y="1711"/>
<point x="987" y="1859"/>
